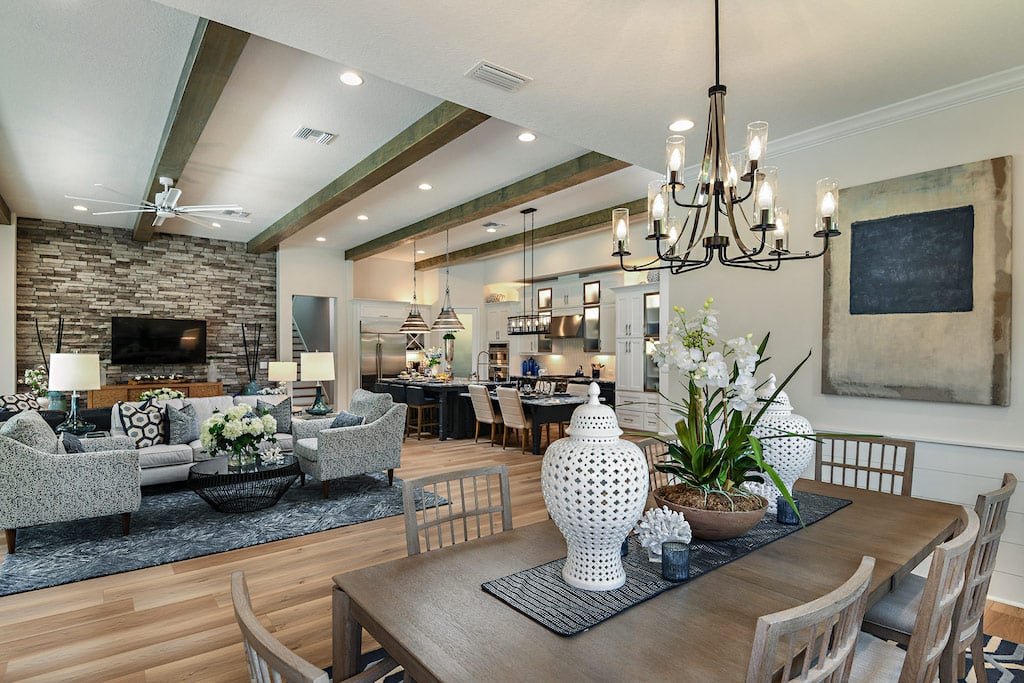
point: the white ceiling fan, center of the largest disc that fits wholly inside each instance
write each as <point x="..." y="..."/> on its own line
<point x="166" y="206"/>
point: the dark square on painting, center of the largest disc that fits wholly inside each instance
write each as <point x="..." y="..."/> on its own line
<point x="913" y="263"/>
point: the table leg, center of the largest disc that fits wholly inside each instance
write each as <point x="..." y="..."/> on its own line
<point x="347" y="637"/>
<point x="536" y="435"/>
<point x="442" y="416"/>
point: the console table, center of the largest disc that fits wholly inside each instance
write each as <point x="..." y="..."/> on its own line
<point x="108" y="395"/>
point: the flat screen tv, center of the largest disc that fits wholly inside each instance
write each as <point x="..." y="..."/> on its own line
<point x="157" y="341"/>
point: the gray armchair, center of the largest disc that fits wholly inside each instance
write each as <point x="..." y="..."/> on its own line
<point x="328" y="454"/>
<point x="37" y="487"/>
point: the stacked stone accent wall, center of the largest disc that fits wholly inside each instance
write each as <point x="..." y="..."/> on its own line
<point x="90" y="274"/>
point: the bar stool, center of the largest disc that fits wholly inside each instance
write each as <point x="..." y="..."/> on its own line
<point x="424" y="408"/>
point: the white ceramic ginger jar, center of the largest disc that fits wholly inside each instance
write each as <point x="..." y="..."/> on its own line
<point x="595" y="487"/>
<point x="788" y="455"/>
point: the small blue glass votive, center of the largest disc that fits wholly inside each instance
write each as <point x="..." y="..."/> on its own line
<point x="625" y="547"/>
<point x="675" y="561"/>
<point x="784" y="513"/>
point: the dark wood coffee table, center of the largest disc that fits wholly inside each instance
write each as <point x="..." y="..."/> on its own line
<point x="242" y="489"/>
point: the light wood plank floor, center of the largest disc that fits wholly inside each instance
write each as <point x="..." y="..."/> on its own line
<point x="175" y="623"/>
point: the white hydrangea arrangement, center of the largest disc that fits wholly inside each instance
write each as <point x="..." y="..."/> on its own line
<point x="161" y="394"/>
<point x="36" y="380"/>
<point x="659" y="525"/>
<point x="239" y="431"/>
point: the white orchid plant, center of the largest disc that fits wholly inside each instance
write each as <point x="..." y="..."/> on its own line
<point x="714" y="449"/>
<point x="433" y="355"/>
<point x="36" y="380"/>
<point x="239" y="431"/>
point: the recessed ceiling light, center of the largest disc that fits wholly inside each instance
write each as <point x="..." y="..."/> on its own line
<point x="362" y="217"/>
<point x="426" y="186"/>
<point x="79" y="207"/>
<point x="351" y="78"/>
<point x="321" y="239"/>
<point x="527" y="136"/>
<point x="420" y="251"/>
<point x="680" y="125"/>
<point x="216" y="225"/>
<point x="97" y="184"/>
<point x="492" y="230"/>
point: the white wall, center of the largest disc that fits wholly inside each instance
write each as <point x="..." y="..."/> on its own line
<point x="318" y="272"/>
<point x="962" y="449"/>
<point x="8" y="305"/>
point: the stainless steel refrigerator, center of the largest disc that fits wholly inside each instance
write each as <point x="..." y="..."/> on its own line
<point x="381" y="354"/>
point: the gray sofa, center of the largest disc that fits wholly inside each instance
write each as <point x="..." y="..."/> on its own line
<point x="165" y="462"/>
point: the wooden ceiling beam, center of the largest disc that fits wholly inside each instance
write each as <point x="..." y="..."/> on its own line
<point x="211" y="58"/>
<point x="434" y="130"/>
<point x="5" y="213"/>
<point x="579" y="170"/>
<point x="570" y="227"/>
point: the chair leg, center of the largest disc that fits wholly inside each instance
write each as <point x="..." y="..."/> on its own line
<point x="302" y="476"/>
<point x="126" y="523"/>
<point x="391" y="477"/>
<point x="12" y="538"/>
<point x="504" y="436"/>
<point x="326" y="486"/>
<point x="476" y="436"/>
<point x="978" y="654"/>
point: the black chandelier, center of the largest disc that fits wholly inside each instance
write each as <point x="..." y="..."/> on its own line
<point x="531" y="321"/>
<point x="709" y="222"/>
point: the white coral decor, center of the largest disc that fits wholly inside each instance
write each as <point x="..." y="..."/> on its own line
<point x="659" y="525"/>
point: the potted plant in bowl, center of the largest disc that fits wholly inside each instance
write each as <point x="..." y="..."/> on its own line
<point x="714" y="452"/>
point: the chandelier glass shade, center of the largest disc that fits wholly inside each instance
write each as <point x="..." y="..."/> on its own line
<point x="414" y="322"/>
<point x="732" y="213"/>
<point x="531" y="321"/>
<point x="446" y="320"/>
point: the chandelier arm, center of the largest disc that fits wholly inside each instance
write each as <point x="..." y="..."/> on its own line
<point x="690" y="266"/>
<point x="739" y="240"/>
<point x="696" y="237"/>
<point x="641" y="267"/>
<point x="753" y="265"/>
<point x="688" y="206"/>
<point x="750" y="191"/>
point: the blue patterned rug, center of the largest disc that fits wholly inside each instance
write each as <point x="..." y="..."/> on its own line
<point x="175" y="524"/>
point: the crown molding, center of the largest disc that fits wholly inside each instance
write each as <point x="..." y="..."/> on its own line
<point x="993" y="85"/>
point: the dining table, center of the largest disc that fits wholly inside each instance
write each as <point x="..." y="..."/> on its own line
<point x="429" y="612"/>
<point x="544" y="409"/>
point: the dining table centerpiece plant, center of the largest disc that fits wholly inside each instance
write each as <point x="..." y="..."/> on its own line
<point x="714" y="453"/>
<point x="433" y="356"/>
<point x="238" y="432"/>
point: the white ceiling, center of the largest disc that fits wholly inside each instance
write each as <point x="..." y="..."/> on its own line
<point x="84" y="100"/>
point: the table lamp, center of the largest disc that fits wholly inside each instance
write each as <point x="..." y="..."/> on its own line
<point x="282" y="372"/>
<point x="74" y="372"/>
<point x="318" y="366"/>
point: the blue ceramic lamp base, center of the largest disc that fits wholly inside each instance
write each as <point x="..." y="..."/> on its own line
<point x="319" y="407"/>
<point x="74" y="424"/>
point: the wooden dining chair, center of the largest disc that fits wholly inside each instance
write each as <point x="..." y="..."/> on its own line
<point x="483" y="408"/>
<point x="879" y="660"/>
<point x="512" y="416"/>
<point x="453" y="507"/>
<point x="892" y="618"/>
<point x="814" y="641"/>
<point x="865" y="462"/>
<point x="270" y="661"/>
<point x="655" y="451"/>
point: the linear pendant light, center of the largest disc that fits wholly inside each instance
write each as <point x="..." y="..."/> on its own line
<point x="414" y="322"/>
<point x="446" y="319"/>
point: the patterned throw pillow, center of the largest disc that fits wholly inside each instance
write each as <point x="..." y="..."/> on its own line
<point x="282" y="412"/>
<point x="31" y="429"/>
<point x="347" y="420"/>
<point x="182" y="425"/>
<point x="72" y="444"/>
<point x="19" y="402"/>
<point x="144" y="424"/>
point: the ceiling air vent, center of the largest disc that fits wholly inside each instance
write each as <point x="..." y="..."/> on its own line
<point x="318" y="136"/>
<point x="499" y="76"/>
<point x="492" y="224"/>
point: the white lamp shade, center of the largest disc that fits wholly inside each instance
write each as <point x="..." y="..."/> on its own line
<point x="74" y="371"/>
<point x="317" y="366"/>
<point x="282" y="371"/>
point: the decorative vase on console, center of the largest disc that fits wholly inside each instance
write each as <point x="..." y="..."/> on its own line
<point x="595" y="486"/>
<point x="789" y="455"/>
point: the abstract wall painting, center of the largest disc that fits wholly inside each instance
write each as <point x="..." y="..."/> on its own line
<point x="917" y="291"/>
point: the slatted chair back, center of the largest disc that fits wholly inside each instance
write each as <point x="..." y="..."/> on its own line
<point x="814" y="641"/>
<point x="511" y="408"/>
<point x="482" y="405"/>
<point x="970" y="609"/>
<point x="873" y="463"/>
<point x="655" y="451"/>
<point x="271" y="662"/>
<point x="934" y="622"/>
<point x="455" y="507"/>
<point x="579" y="389"/>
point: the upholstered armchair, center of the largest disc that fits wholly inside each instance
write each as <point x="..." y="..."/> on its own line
<point x="332" y="453"/>
<point x="37" y="487"/>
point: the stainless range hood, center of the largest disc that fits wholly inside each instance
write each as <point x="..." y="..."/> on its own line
<point x="566" y="327"/>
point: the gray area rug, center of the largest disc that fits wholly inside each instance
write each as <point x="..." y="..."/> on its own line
<point x="175" y="524"/>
